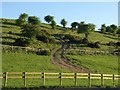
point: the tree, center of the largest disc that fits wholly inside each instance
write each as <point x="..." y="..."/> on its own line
<point x="91" y="27"/>
<point x="33" y="20"/>
<point x="114" y="28"/>
<point x="74" y="25"/>
<point x="103" y="28"/>
<point x="48" y="18"/>
<point x="22" y="20"/>
<point x="63" y="22"/>
<point x="83" y="28"/>
<point x="82" y="22"/>
<point x="108" y="29"/>
<point x="118" y="31"/>
<point x="30" y="30"/>
<point x="53" y="24"/>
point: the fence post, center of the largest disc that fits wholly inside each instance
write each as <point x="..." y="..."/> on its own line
<point x="24" y="78"/>
<point x="89" y="81"/>
<point x="43" y="78"/>
<point x="5" y="82"/>
<point x="102" y="80"/>
<point x="60" y="79"/>
<point x="113" y="80"/>
<point x="75" y="79"/>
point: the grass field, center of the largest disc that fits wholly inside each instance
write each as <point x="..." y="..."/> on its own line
<point x="30" y="62"/>
<point x="19" y="62"/>
<point x="96" y="63"/>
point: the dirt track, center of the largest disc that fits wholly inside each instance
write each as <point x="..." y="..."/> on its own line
<point x="61" y="61"/>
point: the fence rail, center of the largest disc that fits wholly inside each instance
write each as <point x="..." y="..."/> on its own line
<point x="60" y="76"/>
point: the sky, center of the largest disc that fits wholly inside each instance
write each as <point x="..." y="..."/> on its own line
<point x="91" y="12"/>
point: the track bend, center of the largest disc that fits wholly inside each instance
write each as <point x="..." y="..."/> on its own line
<point x="59" y="60"/>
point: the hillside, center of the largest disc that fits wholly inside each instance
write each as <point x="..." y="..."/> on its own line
<point x="66" y="53"/>
<point x="10" y="32"/>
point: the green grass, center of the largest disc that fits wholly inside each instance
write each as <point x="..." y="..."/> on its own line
<point x="96" y="63"/>
<point x="21" y="62"/>
<point x="29" y="62"/>
<point x="36" y="83"/>
<point x="103" y="38"/>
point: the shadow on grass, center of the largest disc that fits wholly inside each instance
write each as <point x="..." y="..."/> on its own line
<point x="7" y="43"/>
<point x="8" y="37"/>
<point x="8" y="23"/>
<point x="4" y="27"/>
<point x="63" y="88"/>
<point x="111" y="37"/>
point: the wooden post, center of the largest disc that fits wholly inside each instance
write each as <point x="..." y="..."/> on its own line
<point x="75" y="79"/>
<point x="43" y="78"/>
<point x="60" y="79"/>
<point x="102" y="80"/>
<point x="5" y="82"/>
<point x="24" y="78"/>
<point x="89" y="81"/>
<point x="113" y="80"/>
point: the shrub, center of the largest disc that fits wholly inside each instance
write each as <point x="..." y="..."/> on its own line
<point x="85" y="41"/>
<point x="23" y="42"/>
<point x="72" y="39"/>
<point x="10" y="32"/>
<point x="111" y="43"/>
<point x="117" y="43"/>
<point x="94" y="45"/>
<point x="44" y="36"/>
<point x="43" y="52"/>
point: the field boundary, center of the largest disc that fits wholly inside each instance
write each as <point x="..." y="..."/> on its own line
<point x="60" y="76"/>
<point x="66" y="51"/>
<point x="79" y="51"/>
<point x="12" y="48"/>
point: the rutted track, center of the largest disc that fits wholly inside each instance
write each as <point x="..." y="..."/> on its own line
<point x="59" y="60"/>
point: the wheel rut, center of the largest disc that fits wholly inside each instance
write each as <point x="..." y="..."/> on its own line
<point x="59" y="60"/>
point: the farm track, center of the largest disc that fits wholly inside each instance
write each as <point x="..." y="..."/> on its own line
<point x="64" y="63"/>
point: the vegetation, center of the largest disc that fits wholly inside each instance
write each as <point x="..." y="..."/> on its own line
<point x="110" y="29"/>
<point x="48" y="18"/>
<point x="53" y="24"/>
<point x="22" y="20"/>
<point x="29" y="31"/>
<point x="28" y="62"/>
<point x="63" y="22"/>
<point x="96" y="63"/>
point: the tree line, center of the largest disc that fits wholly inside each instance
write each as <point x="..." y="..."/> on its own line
<point x="30" y="26"/>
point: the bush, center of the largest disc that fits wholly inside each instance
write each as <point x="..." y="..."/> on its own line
<point x="85" y="41"/>
<point x="10" y="32"/>
<point x="72" y="39"/>
<point x="44" y="36"/>
<point x="23" y="42"/>
<point x="43" y="52"/>
<point x="117" y="43"/>
<point x="94" y="45"/>
<point x="111" y="43"/>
